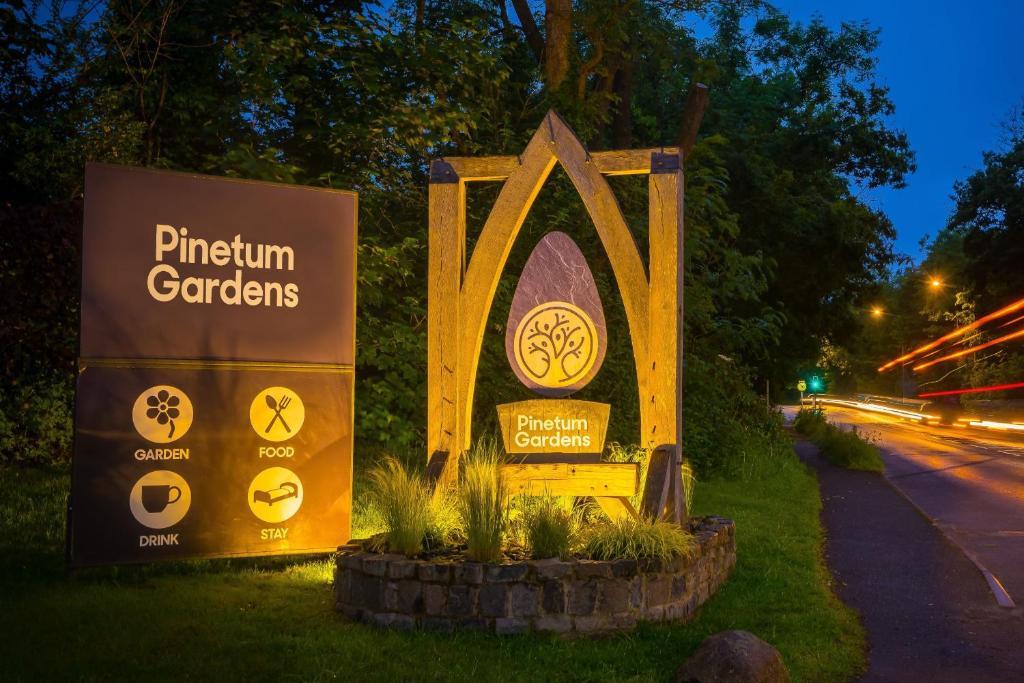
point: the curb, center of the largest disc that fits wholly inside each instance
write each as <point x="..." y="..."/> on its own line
<point x="1001" y="595"/>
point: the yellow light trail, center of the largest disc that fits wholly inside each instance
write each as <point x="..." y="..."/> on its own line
<point x="874" y="408"/>
<point x="1002" y="312"/>
<point x="973" y="349"/>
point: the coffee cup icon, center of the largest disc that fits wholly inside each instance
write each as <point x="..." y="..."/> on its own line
<point x="156" y="497"/>
<point x="160" y="499"/>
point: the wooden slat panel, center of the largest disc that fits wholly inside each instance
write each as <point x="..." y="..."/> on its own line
<point x="613" y="162"/>
<point x="563" y="479"/>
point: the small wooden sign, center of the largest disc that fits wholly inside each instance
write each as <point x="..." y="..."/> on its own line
<point x="553" y="426"/>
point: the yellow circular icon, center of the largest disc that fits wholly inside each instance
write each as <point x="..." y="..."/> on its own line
<point x="275" y="494"/>
<point x="162" y="414"/>
<point x="556" y="344"/>
<point x="160" y="499"/>
<point x="277" y="413"/>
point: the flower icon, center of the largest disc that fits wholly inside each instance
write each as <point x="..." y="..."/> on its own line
<point x="163" y="407"/>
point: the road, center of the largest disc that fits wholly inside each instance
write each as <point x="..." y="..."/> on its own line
<point x="970" y="484"/>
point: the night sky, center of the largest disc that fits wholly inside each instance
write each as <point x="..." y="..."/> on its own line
<point x="955" y="70"/>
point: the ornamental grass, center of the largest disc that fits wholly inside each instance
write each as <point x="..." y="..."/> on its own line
<point x="636" y="539"/>
<point x="549" y="526"/>
<point x="403" y="502"/>
<point x="482" y="503"/>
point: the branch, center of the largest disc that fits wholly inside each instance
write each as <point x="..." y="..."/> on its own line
<point x="533" y="37"/>
<point x="588" y="67"/>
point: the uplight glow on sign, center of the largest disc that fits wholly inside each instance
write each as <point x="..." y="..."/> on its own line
<point x="215" y="396"/>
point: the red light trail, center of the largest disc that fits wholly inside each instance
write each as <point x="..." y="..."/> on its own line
<point x="975" y="390"/>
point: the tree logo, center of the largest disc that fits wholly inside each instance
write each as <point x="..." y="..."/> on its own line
<point x="555" y="344"/>
<point x="162" y="414"/>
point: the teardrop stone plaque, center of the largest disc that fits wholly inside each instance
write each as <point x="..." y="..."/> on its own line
<point x="556" y="336"/>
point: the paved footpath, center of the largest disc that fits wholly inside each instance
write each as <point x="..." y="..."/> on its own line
<point x="928" y="611"/>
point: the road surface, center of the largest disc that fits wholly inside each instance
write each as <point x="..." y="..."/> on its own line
<point x="970" y="483"/>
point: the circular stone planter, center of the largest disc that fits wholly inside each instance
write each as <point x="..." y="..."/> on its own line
<point x="576" y="596"/>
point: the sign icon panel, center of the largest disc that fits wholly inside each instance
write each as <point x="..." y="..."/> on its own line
<point x="277" y="413"/>
<point x="275" y="495"/>
<point x="162" y="414"/>
<point x="160" y="499"/>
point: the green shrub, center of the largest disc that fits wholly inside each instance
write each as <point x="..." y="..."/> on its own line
<point x="840" y="447"/>
<point x="635" y="539"/>
<point x="728" y="433"/>
<point x="402" y="500"/>
<point x="36" y="423"/>
<point x="481" y="502"/>
<point x="548" y="526"/>
<point x="809" y="421"/>
<point x="847" y="449"/>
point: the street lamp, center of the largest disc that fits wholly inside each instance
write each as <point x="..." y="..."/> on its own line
<point x="935" y="283"/>
<point x="877" y="311"/>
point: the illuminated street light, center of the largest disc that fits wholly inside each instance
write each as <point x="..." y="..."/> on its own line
<point x="935" y="283"/>
<point x="877" y="311"/>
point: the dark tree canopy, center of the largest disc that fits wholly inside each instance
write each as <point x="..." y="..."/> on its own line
<point x="361" y="95"/>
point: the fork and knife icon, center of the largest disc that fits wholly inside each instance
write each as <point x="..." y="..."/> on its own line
<point x="277" y="406"/>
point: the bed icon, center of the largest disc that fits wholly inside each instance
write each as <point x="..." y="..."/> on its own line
<point x="283" y="492"/>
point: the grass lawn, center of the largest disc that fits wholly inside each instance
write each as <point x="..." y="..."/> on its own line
<point x="273" y="619"/>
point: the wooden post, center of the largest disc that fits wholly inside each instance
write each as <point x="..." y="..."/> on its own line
<point x="446" y="255"/>
<point x="664" y="429"/>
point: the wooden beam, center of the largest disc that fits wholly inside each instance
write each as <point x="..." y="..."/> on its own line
<point x="446" y="256"/>
<point x="658" y="486"/>
<point x="613" y="479"/>
<point x="665" y="359"/>
<point x="618" y="242"/>
<point x="487" y="263"/>
<point x="617" y="507"/>
<point x="627" y="161"/>
<point x="610" y="163"/>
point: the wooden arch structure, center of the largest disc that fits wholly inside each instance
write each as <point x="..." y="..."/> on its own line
<point x="461" y="291"/>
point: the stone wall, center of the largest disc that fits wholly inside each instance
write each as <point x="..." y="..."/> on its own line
<point x="577" y="596"/>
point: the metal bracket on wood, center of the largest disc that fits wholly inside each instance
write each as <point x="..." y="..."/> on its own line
<point x="662" y="162"/>
<point x="442" y="172"/>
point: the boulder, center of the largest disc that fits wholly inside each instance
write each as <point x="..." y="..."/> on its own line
<point x="734" y="657"/>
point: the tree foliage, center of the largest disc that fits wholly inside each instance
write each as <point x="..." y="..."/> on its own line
<point x="361" y="95"/>
<point x="971" y="267"/>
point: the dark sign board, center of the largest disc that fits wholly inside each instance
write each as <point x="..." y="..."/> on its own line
<point x="215" y="393"/>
